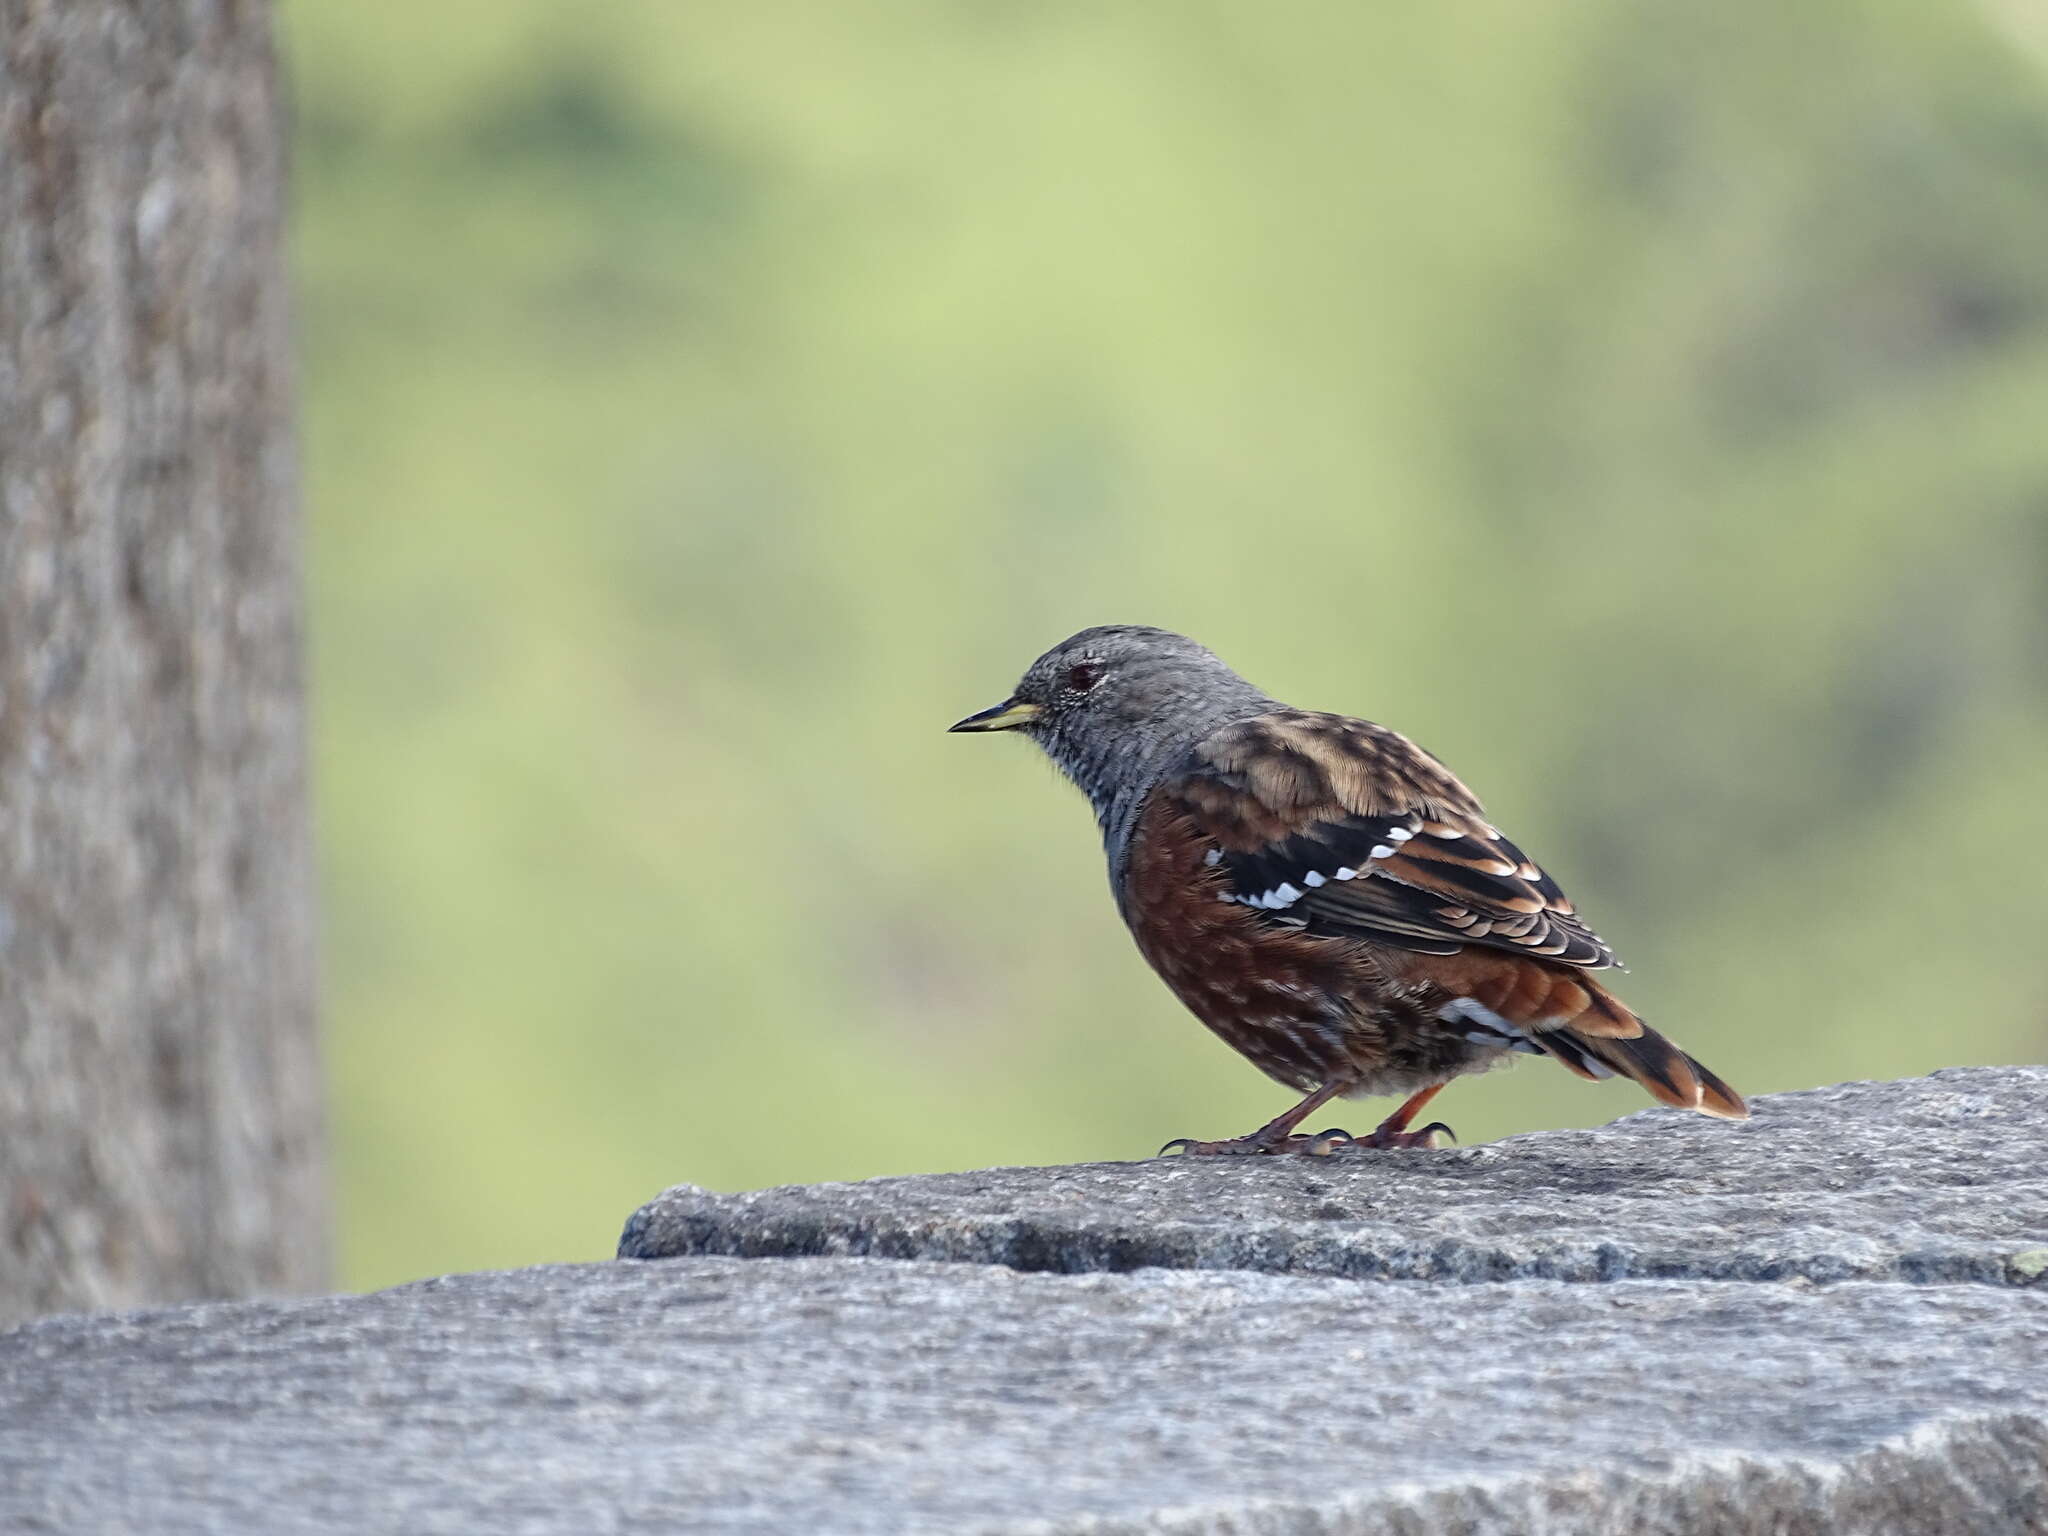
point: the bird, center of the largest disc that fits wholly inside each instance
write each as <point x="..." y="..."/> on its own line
<point x="1323" y="894"/>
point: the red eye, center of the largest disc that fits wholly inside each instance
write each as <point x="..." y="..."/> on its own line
<point x="1083" y="675"/>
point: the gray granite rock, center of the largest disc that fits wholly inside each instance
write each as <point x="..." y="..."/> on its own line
<point x="849" y="1395"/>
<point x="1908" y="1393"/>
<point x="1933" y="1180"/>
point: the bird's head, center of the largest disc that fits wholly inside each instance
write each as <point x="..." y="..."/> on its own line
<point x="1118" y="695"/>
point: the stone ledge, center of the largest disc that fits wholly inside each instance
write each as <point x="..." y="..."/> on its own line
<point x="1932" y="1180"/>
<point x="727" y="1396"/>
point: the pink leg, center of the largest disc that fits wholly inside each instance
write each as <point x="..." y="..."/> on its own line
<point x="1393" y="1131"/>
<point x="1274" y="1136"/>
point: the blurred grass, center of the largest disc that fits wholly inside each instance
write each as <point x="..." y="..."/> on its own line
<point x="1640" y="405"/>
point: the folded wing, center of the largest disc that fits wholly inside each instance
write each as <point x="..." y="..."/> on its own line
<point x="1345" y="827"/>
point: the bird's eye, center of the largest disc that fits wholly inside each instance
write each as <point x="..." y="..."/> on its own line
<point x="1082" y="676"/>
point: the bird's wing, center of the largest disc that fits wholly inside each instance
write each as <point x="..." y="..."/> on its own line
<point x="1344" y="827"/>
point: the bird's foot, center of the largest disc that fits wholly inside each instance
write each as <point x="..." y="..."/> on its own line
<point x="1388" y="1136"/>
<point x="1242" y="1146"/>
<point x="1258" y="1144"/>
<point x="1321" y="1144"/>
<point x="1325" y="1143"/>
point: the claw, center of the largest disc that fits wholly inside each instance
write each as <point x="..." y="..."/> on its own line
<point x="1322" y="1144"/>
<point x="1386" y="1139"/>
<point x="1243" y="1146"/>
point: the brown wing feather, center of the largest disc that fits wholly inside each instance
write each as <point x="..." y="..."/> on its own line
<point x="1374" y="837"/>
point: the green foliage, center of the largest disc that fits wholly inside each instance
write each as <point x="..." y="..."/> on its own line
<point x="1642" y="405"/>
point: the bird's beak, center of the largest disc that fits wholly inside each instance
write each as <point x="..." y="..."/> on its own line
<point x="1006" y="716"/>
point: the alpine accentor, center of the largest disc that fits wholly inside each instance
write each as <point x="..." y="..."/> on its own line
<point x="1324" y="894"/>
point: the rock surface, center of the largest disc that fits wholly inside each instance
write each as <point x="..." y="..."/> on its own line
<point x="860" y="1395"/>
<point x="1844" y="1329"/>
<point x="1936" y="1179"/>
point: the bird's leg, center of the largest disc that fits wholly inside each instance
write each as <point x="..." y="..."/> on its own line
<point x="1393" y="1131"/>
<point x="1275" y="1135"/>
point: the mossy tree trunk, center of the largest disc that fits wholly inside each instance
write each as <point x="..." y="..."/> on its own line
<point x="160" y="1107"/>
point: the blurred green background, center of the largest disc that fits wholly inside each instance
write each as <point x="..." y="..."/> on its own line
<point x="1643" y="405"/>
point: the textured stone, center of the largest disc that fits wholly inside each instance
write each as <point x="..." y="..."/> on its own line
<point x="851" y="1395"/>
<point x="1932" y="1180"/>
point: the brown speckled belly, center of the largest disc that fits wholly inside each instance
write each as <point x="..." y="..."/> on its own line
<point x="1301" y="1008"/>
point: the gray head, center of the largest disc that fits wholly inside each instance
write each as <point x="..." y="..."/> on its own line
<point x="1114" y="704"/>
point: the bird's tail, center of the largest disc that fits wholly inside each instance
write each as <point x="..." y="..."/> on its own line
<point x="1607" y="1039"/>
